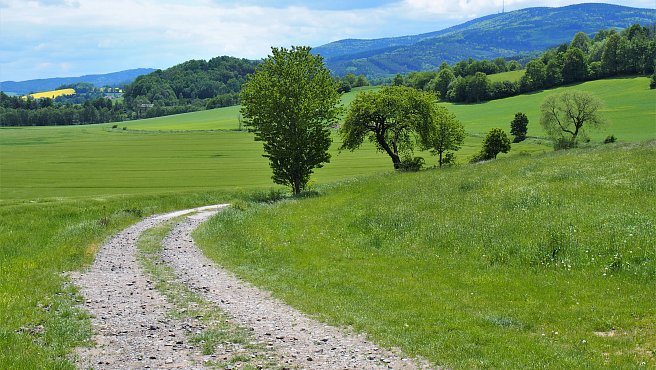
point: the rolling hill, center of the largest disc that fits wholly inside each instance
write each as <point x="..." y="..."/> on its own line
<point x="99" y="80"/>
<point x="497" y="35"/>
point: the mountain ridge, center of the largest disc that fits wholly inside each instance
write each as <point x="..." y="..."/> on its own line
<point x="47" y="84"/>
<point x="496" y="35"/>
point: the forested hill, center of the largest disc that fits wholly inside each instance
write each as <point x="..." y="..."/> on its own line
<point x="45" y="84"/>
<point x="213" y="83"/>
<point x="498" y="35"/>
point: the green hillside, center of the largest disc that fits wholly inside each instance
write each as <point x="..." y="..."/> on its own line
<point x="497" y="35"/>
<point x="529" y="262"/>
<point x="630" y="108"/>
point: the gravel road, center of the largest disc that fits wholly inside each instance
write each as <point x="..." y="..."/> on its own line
<point x="133" y="329"/>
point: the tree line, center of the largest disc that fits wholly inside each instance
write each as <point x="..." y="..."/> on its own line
<point x="609" y="53"/>
<point x="18" y="111"/>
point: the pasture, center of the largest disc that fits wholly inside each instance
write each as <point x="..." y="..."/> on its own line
<point x="513" y="76"/>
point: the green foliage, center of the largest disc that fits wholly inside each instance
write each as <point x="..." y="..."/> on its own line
<point x="496" y="141"/>
<point x="394" y="118"/>
<point x="575" y="66"/>
<point x="581" y="41"/>
<point x="192" y="83"/>
<point x="652" y="82"/>
<point x="565" y="116"/>
<point x="610" y="139"/>
<point x="519" y="127"/>
<point x="411" y="164"/>
<point x="501" y="265"/>
<point x="448" y="135"/>
<point x="290" y="103"/>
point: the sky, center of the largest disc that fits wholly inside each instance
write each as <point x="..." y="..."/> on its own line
<point x="59" y="38"/>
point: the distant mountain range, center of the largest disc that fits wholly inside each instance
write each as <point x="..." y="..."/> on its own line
<point x="498" y="35"/>
<point x="47" y="84"/>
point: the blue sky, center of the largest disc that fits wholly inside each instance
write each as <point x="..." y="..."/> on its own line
<point x="55" y="38"/>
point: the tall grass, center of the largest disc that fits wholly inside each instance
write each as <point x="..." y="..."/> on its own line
<point x="527" y="262"/>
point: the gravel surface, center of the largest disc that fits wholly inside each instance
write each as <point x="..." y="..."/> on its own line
<point x="134" y="331"/>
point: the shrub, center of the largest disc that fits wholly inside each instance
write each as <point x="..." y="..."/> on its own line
<point x="652" y="84"/>
<point x="518" y="127"/>
<point x="563" y="143"/>
<point x="449" y="159"/>
<point x="114" y="126"/>
<point x="411" y="164"/>
<point x="610" y="139"/>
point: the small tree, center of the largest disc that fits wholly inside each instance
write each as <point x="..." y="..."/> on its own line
<point x="565" y="116"/>
<point x="394" y="118"/>
<point x="518" y="127"/>
<point x="652" y="83"/>
<point x="496" y="141"/>
<point x="290" y="102"/>
<point x="448" y="134"/>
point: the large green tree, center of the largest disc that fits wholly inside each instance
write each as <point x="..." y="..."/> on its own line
<point x="566" y="115"/>
<point x="394" y="118"/>
<point x="575" y="66"/>
<point x="290" y="102"/>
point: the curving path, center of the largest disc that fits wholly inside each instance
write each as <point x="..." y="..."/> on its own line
<point x="132" y="329"/>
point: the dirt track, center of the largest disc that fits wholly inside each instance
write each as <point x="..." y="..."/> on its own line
<point x="134" y="330"/>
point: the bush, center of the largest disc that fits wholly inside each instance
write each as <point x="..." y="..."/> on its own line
<point x="652" y="84"/>
<point x="114" y="126"/>
<point x="518" y="127"/>
<point x="412" y="164"/>
<point x="449" y="159"/>
<point x="610" y="139"/>
<point x="270" y="196"/>
<point x="563" y="143"/>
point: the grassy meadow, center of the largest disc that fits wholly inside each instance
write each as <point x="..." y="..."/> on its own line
<point x="63" y="190"/>
<point x="630" y="109"/>
<point x="513" y="76"/>
<point x="529" y="262"/>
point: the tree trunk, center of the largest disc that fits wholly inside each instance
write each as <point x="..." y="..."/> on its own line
<point x="440" y="158"/>
<point x="396" y="161"/>
<point x="297" y="185"/>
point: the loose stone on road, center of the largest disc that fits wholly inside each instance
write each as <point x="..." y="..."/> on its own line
<point x="133" y="329"/>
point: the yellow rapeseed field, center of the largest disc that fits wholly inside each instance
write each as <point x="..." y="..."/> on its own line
<point x="53" y="94"/>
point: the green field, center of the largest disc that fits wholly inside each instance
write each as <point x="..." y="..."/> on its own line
<point x="215" y="119"/>
<point x="65" y="189"/>
<point x="513" y="76"/>
<point x="529" y="262"/>
<point x="630" y="108"/>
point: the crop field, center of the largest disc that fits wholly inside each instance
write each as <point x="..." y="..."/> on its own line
<point x="530" y="262"/>
<point x="53" y="94"/>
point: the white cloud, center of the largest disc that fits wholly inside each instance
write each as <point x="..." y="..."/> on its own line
<point x="110" y="35"/>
